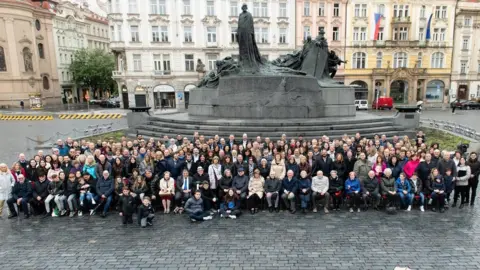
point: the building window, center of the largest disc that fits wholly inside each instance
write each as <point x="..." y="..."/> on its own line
<point x="400" y="33"/>
<point x="187" y="33"/>
<point x="423" y="12"/>
<point x="164" y="34"/>
<point x="441" y="12"/>
<point x="360" y="10"/>
<point x="437" y="60"/>
<point x="46" y="83"/>
<point x="155" y="34"/>
<point x="3" y="64"/>
<point x="189" y="62"/>
<point x="381" y="9"/>
<point x="306" y="32"/>
<point x="264" y="9"/>
<point x="419" y="60"/>
<point x="210" y="8"/>
<point x="162" y="7"/>
<point x="41" y="52"/>
<point x="439" y="34"/>
<point x="321" y="9"/>
<point x="379" y="60"/>
<point x="137" y="62"/>
<point x="478" y="68"/>
<point x="400" y="11"/>
<point x="336" y="9"/>
<point x="59" y="40"/>
<point x="157" y="62"/>
<point x="359" y="33"/>
<point x="282" y="36"/>
<point x="463" y="66"/>
<point x="211" y="34"/>
<point x="234" y="8"/>
<point x="154" y="7"/>
<point x="63" y="75"/>
<point x="166" y="64"/>
<point x="359" y="60"/>
<point x="112" y="33"/>
<point x="465" y="43"/>
<point x="467" y="21"/>
<point x="381" y="32"/>
<point x="306" y="8"/>
<point x="186" y="7"/>
<point x="283" y="10"/>
<point x="132" y="6"/>
<point x="261" y="35"/>
<point x="400" y="60"/>
<point x="119" y="33"/>
<point x="421" y="34"/>
<point x="212" y="61"/>
<point x="134" y="33"/>
<point x="118" y="6"/>
<point x="233" y="35"/>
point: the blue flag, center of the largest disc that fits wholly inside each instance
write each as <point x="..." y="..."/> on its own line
<point x="428" y="35"/>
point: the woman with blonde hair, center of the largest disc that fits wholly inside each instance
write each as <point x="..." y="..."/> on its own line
<point x="90" y="166"/>
<point x="255" y="191"/>
<point x="278" y="167"/>
<point x="146" y="164"/>
<point x="167" y="191"/>
<point x="6" y="183"/>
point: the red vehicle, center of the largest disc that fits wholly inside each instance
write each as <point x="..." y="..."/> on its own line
<point x="383" y="103"/>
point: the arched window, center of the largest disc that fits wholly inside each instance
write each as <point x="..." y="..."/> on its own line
<point x="400" y="60"/>
<point x="359" y="60"/>
<point x="419" y="59"/>
<point x="379" y="59"/>
<point x="41" y="53"/>
<point x="437" y="60"/>
<point x="46" y="83"/>
<point x="3" y="64"/>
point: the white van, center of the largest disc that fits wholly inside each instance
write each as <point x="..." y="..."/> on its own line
<point x="361" y="104"/>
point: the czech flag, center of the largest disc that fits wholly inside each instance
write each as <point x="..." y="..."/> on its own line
<point x="428" y="35"/>
<point x="378" y="17"/>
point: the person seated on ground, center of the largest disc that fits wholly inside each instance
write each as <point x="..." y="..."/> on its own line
<point x="56" y="189"/>
<point x="146" y="212"/>
<point x="304" y="190"/>
<point x="40" y="193"/>
<point x="140" y="188"/>
<point x="320" y="186"/>
<point x="126" y="205"/>
<point x="289" y="188"/>
<point x="230" y="207"/>
<point x="183" y="190"/>
<point x="208" y="196"/>
<point x="255" y="191"/>
<point x="225" y="183"/>
<point x="335" y="189"/>
<point x="416" y="188"/>
<point x="272" y="189"/>
<point x="438" y="192"/>
<point x="105" y="189"/>
<point x="402" y="186"/>
<point x="388" y="188"/>
<point x="194" y="208"/>
<point x="370" y="189"/>
<point x="21" y="194"/>
<point x="87" y="187"/>
<point x="71" y="193"/>
<point x="240" y="184"/>
<point x="167" y="191"/>
<point x="200" y="177"/>
<point x="353" y="189"/>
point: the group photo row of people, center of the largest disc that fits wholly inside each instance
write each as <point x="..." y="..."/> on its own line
<point x="204" y="177"/>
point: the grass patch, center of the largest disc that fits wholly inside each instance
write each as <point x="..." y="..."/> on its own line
<point x="445" y="140"/>
<point x="116" y="136"/>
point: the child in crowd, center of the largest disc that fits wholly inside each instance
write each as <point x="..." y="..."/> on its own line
<point x="127" y="204"/>
<point x="194" y="208"/>
<point x="449" y="185"/>
<point x="230" y="207"/>
<point x="85" y="193"/>
<point x="146" y="213"/>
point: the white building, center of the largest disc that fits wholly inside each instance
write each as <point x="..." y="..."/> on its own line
<point x="157" y="43"/>
<point x="466" y="54"/>
<point x="76" y="27"/>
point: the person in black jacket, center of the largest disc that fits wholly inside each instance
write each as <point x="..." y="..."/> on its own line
<point x="323" y="163"/>
<point x="40" y="193"/>
<point x="189" y="164"/>
<point x="424" y="169"/>
<point x="105" y="188"/>
<point x="438" y="193"/>
<point x="127" y="204"/>
<point x="225" y="183"/>
<point x="339" y="165"/>
<point x="349" y="161"/>
<point x="21" y="194"/>
<point x="145" y="213"/>
<point x="71" y="193"/>
<point x="208" y="196"/>
<point x="200" y="177"/>
<point x="272" y="191"/>
<point x="184" y="185"/>
<point x="335" y="188"/>
<point x="370" y="189"/>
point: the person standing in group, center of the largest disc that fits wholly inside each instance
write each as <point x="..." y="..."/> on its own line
<point x="461" y="183"/>
<point x="126" y="206"/>
<point x="474" y="164"/>
<point x="6" y="183"/>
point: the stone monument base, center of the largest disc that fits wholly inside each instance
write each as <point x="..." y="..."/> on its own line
<point x="272" y="96"/>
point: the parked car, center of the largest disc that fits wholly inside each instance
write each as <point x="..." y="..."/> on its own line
<point x="95" y="101"/>
<point x="464" y="104"/>
<point x="383" y="103"/>
<point x="113" y="102"/>
<point x="361" y="104"/>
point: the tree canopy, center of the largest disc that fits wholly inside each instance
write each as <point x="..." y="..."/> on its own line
<point x="93" y="68"/>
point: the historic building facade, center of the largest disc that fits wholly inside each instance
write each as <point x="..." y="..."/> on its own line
<point x="329" y="16"/>
<point x="28" y="68"/>
<point x="401" y="49"/>
<point x="164" y="47"/>
<point x="76" y="28"/>
<point x="466" y="54"/>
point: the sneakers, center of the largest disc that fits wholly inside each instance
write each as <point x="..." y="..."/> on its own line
<point x="232" y="216"/>
<point x="72" y="213"/>
<point x="326" y="210"/>
<point x="314" y="210"/>
<point x="93" y="202"/>
<point x="442" y="210"/>
<point x="175" y="211"/>
<point x="149" y="223"/>
<point x="422" y="208"/>
<point x="221" y="215"/>
<point x="351" y="210"/>
<point x="63" y="212"/>
<point x="358" y="210"/>
<point x="430" y="201"/>
<point x="81" y="203"/>
<point x="207" y="218"/>
<point x="54" y="214"/>
<point x="80" y="213"/>
<point x="92" y="212"/>
<point x="192" y="220"/>
<point x="409" y="208"/>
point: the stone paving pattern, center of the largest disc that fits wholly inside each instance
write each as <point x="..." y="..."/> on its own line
<point x="340" y="240"/>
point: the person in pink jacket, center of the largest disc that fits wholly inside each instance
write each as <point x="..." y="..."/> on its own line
<point x="411" y="166"/>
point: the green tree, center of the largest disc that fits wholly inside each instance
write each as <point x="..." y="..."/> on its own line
<point x="93" y="69"/>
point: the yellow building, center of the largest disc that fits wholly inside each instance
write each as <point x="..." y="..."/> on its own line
<point x="400" y="62"/>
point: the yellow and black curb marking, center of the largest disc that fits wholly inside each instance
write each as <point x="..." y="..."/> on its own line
<point x="91" y="116"/>
<point x="26" y="117"/>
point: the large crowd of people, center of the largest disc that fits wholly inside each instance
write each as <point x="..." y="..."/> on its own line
<point x="204" y="177"/>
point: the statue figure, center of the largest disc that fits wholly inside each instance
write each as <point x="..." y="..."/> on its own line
<point x="250" y="59"/>
<point x="315" y="61"/>
<point x="124" y="62"/>
<point x="333" y="62"/>
<point x="294" y="60"/>
<point x="27" y="60"/>
<point x="200" y="66"/>
<point x="225" y="67"/>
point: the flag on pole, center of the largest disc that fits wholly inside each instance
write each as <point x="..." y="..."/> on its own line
<point x="428" y="35"/>
<point x="378" y="18"/>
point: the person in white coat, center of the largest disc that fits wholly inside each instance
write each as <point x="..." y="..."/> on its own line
<point x="214" y="174"/>
<point x="6" y="183"/>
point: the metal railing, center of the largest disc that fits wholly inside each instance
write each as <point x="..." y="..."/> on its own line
<point x="451" y="127"/>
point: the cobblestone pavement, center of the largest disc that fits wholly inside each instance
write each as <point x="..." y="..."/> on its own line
<point x="340" y="240"/>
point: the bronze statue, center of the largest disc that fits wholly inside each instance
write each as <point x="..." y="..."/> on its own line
<point x="249" y="59"/>
<point x="200" y="66"/>
<point x="333" y="62"/>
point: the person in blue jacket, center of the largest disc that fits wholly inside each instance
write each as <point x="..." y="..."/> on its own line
<point x="105" y="187"/>
<point x="403" y="188"/>
<point x="289" y="189"/>
<point x="352" y="189"/>
<point x="305" y="188"/>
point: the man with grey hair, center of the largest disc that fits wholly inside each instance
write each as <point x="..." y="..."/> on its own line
<point x="388" y="188"/>
<point x="289" y="189"/>
<point x="21" y="194"/>
<point x="105" y="187"/>
<point x="446" y="163"/>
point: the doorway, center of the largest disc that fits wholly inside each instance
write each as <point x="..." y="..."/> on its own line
<point x="399" y="91"/>
<point x="462" y="91"/>
<point x="125" y="100"/>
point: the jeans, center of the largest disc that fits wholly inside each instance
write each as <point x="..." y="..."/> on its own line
<point x="24" y="203"/>
<point x="101" y="200"/>
<point x="198" y="216"/>
<point x="72" y="202"/>
<point x="58" y="201"/>
<point x="289" y="200"/>
<point x="143" y="221"/>
<point x="304" y="200"/>
<point x="272" y="196"/>
<point x="405" y="199"/>
<point x="422" y="198"/>
<point x="87" y="195"/>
